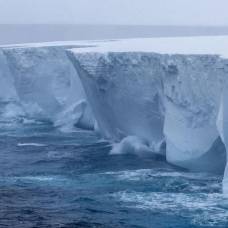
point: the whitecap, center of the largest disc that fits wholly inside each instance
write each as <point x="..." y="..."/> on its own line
<point x="31" y="144"/>
<point x="140" y="174"/>
<point x="201" y="208"/>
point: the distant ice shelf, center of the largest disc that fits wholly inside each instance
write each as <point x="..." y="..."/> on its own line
<point x="162" y="95"/>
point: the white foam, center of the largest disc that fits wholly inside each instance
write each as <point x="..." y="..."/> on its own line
<point x="32" y="144"/>
<point x="204" y="208"/>
<point x="131" y="145"/>
<point x="149" y="174"/>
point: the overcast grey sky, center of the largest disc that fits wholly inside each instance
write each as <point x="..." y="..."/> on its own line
<point x="147" y="12"/>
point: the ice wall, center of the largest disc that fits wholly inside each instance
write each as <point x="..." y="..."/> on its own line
<point x="48" y="86"/>
<point x="156" y="96"/>
<point x="10" y="107"/>
<point x="7" y="91"/>
<point x="143" y="102"/>
<point x="192" y="88"/>
<point x="222" y="124"/>
<point x="125" y="94"/>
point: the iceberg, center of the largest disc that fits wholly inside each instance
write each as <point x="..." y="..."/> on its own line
<point x="156" y="95"/>
<point x="160" y="90"/>
<point x="47" y="85"/>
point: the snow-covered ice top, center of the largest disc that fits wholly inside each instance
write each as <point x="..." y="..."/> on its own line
<point x="159" y="89"/>
<point x="217" y="45"/>
<point x="47" y="44"/>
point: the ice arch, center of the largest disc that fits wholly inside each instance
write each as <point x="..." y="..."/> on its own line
<point x="192" y="88"/>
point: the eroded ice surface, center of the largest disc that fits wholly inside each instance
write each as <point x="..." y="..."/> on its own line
<point x="160" y="89"/>
<point x="124" y="102"/>
<point x="152" y="95"/>
<point x="46" y="85"/>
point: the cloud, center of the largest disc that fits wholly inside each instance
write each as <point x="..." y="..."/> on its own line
<point x="152" y="12"/>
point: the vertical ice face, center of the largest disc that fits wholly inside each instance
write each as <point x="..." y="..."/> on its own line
<point x="9" y="103"/>
<point x="145" y="95"/>
<point x="7" y="90"/>
<point x="124" y="91"/>
<point x="192" y="92"/>
<point x="47" y="84"/>
<point x="222" y="124"/>
<point x="140" y="99"/>
<point x="35" y="70"/>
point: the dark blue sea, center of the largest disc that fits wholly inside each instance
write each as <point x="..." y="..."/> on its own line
<point x="53" y="179"/>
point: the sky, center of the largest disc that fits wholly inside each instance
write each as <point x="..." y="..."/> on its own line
<point x="127" y="12"/>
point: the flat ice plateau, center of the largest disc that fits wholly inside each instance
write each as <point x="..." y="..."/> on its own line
<point x="163" y="95"/>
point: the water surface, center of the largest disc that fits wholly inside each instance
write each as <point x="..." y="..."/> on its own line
<point x="54" y="179"/>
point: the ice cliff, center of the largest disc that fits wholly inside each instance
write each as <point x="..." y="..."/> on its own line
<point x="44" y="85"/>
<point x="150" y="91"/>
<point x="222" y="124"/>
<point x="163" y="95"/>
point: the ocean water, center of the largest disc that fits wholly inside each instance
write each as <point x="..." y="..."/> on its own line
<point x="54" y="179"/>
